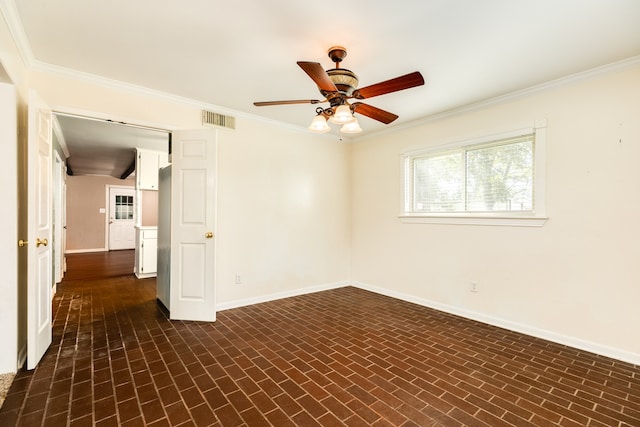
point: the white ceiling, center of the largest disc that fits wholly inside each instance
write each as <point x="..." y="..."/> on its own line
<point x="232" y="53"/>
<point x="99" y="147"/>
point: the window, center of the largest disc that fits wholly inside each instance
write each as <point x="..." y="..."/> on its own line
<point x="124" y="207"/>
<point x="498" y="177"/>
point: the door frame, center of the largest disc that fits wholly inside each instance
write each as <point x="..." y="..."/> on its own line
<point x="59" y="219"/>
<point x="65" y="110"/>
<point x="107" y="216"/>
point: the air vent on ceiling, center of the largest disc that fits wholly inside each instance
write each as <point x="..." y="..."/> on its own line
<point x="209" y="118"/>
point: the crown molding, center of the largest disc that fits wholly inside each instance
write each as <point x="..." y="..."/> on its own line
<point x="56" y="70"/>
<point x="10" y="12"/>
<point x="511" y="96"/>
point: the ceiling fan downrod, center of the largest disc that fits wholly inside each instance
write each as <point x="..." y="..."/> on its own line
<point x="345" y="80"/>
<point x="337" y="54"/>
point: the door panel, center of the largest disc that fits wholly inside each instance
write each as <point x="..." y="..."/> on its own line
<point x="192" y="272"/>
<point x="39" y="230"/>
<point x="192" y="258"/>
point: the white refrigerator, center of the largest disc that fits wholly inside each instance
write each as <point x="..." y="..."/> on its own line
<point x="163" y="282"/>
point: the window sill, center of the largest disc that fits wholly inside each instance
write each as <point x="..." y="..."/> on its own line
<point x="509" y="221"/>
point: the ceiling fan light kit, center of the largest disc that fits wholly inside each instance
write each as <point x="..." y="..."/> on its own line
<point x="351" y="127"/>
<point x="342" y="115"/>
<point x="338" y="85"/>
<point x="319" y="124"/>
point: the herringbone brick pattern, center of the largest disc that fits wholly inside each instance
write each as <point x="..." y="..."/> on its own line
<point x="339" y="357"/>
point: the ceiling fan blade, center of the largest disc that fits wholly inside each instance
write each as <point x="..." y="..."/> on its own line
<point x="292" y="101"/>
<point x="393" y="85"/>
<point x="374" y="112"/>
<point x="319" y="75"/>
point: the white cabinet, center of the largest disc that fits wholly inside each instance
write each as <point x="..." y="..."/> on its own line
<point x="148" y="163"/>
<point x="146" y="252"/>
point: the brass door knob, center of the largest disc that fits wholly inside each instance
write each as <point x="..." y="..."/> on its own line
<point x="41" y="242"/>
<point x="22" y="243"/>
<point x="209" y="235"/>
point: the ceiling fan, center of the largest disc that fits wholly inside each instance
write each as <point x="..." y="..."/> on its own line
<point x="338" y="86"/>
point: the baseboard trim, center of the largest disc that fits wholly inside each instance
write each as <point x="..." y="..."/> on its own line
<point x="280" y="295"/>
<point x="145" y="275"/>
<point x="603" y="350"/>
<point x="82" y="251"/>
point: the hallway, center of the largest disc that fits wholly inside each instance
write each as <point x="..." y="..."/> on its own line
<point x="339" y="357"/>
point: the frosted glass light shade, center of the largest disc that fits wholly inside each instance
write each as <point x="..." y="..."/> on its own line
<point x="319" y="124"/>
<point x="351" y="127"/>
<point x="342" y="115"/>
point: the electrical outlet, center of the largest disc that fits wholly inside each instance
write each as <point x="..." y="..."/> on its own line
<point x="238" y="279"/>
<point x="474" y="287"/>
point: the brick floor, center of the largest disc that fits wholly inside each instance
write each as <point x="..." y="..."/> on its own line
<point x="339" y="357"/>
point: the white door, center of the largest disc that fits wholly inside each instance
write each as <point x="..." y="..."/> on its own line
<point x="193" y="202"/>
<point x="39" y="230"/>
<point x="122" y="232"/>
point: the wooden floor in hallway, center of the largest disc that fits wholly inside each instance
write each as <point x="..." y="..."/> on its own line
<point x="99" y="265"/>
<point x="339" y="357"/>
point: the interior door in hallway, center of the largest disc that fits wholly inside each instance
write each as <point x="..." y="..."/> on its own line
<point x="192" y="224"/>
<point x="39" y="229"/>
<point x="122" y="232"/>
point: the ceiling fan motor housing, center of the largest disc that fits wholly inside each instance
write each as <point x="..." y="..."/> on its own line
<point x="345" y="80"/>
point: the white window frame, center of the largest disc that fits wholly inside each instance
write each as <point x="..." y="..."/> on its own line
<point x="535" y="218"/>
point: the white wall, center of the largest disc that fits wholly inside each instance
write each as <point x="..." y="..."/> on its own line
<point x="283" y="195"/>
<point x="283" y="212"/>
<point x="8" y="230"/>
<point x="86" y="225"/>
<point x="576" y="279"/>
